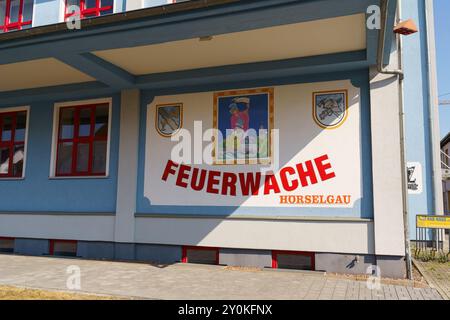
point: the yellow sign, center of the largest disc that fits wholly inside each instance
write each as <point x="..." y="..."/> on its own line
<point x="433" y="222"/>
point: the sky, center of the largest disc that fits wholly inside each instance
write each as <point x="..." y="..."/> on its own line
<point x="442" y="25"/>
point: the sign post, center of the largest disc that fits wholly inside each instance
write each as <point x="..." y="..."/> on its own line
<point x="436" y="223"/>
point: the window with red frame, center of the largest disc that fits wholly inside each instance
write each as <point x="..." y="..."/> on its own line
<point x="82" y="140"/>
<point x="15" y="14"/>
<point x="88" y="8"/>
<point x="12" y="143"/>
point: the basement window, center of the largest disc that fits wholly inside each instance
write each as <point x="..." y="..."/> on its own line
<point x="293" y="260"/>
<point x="6" y="245"/>
<point x="15" y="14"/>
<point x="200" y="255"/>
<point x="88" y="8"/>
<point x="63" y="248"/>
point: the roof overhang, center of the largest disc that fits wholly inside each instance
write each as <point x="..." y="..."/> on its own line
<point x="159" y="47"/>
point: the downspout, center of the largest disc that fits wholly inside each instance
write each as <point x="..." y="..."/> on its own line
<point x="381" y="40"/>
<point x="399" y="73"/>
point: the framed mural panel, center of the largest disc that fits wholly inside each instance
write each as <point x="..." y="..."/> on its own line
<point x="243" y="121"/>
<point x="330" y="108"/>
<point x="169" y="119"/>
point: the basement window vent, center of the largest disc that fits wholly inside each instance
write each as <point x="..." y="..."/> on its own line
<point x="200" y="255"/>
<point x="6" y="245"/>
<point x="293" y="260"/>
<point x="63" y="248"/>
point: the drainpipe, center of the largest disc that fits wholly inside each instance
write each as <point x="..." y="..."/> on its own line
<point x="399" y="73"/>
<point x="380" y="65"/>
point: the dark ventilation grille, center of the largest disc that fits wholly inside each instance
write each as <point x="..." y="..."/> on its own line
<point x="63" y="248"/>
<point x="201" y="255"/>
<point x="6" y="245"/>
<point x="293" y="260"/>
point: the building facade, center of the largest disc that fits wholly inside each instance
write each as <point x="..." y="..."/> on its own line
<point x="445" y="165"/>
<point x="278" y="134"/>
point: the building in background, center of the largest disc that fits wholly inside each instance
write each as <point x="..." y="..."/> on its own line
<point x="445" y="165"/>
<point x="330" y="180"/>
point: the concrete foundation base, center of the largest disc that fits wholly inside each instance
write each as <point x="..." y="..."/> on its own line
<point x="253" y="258"/>
<point x="388" y="266"/>
<point x="392" y="267"/>
<point x="95" y="250"/>
<point x="158" y="253"/>
<point x="31" y="247"/>
<point x="124" y="251"/>
<point x="344" y="263"/>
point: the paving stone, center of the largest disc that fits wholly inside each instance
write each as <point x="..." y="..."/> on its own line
<point x="402" y="293"/>
<point x="438" y="275"/>
<point x="390" y="293"/>
<point x="191" y="282"/>
<point x="415" y="293"/>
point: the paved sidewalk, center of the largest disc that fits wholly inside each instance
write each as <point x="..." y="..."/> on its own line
<point x="437" y="275"/>
<point x="192" y="281"/>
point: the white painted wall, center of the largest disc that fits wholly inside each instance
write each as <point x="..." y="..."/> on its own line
<point x="47" y="12"/>
<point x="386" y="162"/>
<point x="127" y="172"/>
<point x="316" y="236"/>
<point x="52" y="226"/>
<point x="301" y="139"/>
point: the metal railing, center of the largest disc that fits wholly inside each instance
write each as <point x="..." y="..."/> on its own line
<point x="445" y="161"/>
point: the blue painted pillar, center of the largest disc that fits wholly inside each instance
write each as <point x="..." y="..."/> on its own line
<point x="417" y="110"/>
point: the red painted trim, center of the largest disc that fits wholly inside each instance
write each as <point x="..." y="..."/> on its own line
<point x="51" y="249"/>
<point x="274" y="260"/>
<point x="7" y="238"/>
<point x="184" y="258"/>
<point x="12" y="142"/>
<point x="7" y="25"/>
<point x="77" y="139"/>
<point x="90" y="12"/>
<point x="275" y="254"/>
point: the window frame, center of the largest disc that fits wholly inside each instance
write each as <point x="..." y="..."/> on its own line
<point x="7" y="26"/>
<point x="25" y="109"/>
<point x="83" y="11"/>
<point x="55" y="138"/>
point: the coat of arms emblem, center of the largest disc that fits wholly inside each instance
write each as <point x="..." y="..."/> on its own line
<point x="168" y="119"/>
<point x="330" y="108"/>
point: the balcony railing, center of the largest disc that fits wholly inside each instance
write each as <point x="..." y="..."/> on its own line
<point x="445" y="165"/>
